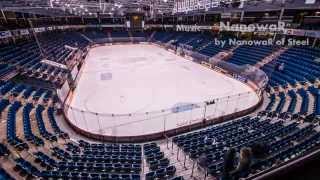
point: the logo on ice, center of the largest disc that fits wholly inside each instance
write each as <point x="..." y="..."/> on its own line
<point x="280" y="26"/>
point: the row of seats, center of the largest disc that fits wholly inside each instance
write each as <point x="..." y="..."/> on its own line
<point x="305" y="101"/>
<point x="52" y="120"/>
<point x="41" y="126"/>
<point x="28" y="134"/>
<point x="271" y="103"/>
<point x="157" y="162"/>
<point x="281" y="102"/>
<point x="316" y="93"/>
<point x="11" y="127"/>
<point x="293" y="102"/>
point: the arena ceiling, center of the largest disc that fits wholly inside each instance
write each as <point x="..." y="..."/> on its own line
<point x="88" y="7"/>
<point x="150" y="8"/>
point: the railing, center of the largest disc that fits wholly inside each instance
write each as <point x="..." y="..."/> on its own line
<point x="137" y="124"/>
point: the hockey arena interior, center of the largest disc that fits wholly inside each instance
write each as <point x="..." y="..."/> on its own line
<point x="160" y="89"/>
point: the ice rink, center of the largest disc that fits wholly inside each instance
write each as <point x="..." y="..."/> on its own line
<point x="128" y="90"/>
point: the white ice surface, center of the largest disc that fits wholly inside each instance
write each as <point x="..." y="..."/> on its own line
<point x="135" y="79"/>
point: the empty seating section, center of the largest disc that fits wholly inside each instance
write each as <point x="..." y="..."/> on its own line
<point x="200" y="41"/>
<point x="54" y="49"/>
<point x="285" y="139"/>
<point x="291" y="146"/>
<point x="28" y="135"/>
<point x="44" y="160"/>
<point x="53" y="123"/>
<point x="83" y="160"/>
<point x="41" y="126"/>
<point x="103" y="36"/>
<point x="14" y="117"/>
<point x="3" y="105"/>
<point x="19" y="54"/>
<point x="119" y="34"/>
<point x="25" y="168"/>
<point x="187" y="38"/>
<point x="91" y="21"/>
<point x="294" y="99"/>
<point x="299" y="65"/>
<point x="163" y="37"/>
<point x="305" y="101"/>
<point x="271" y="103"/>
<point x="38" y="93"/>
<point x="27" y="92"/>
<point x="138" y="34"/>
<point x="46" y="73"/>
<point x="56" y="44"/>
<point x="291" y="99"/>
<point x="195" y="40"/>
<point x="281" y="103"/>
<point x="181" y="38"/>
<point x="6" y="87"/>
<point x="158" y="164"/>
<point x="96" y="35"/>
<point x="5" y="69"/>
<point x="316" y="93"/>
<point x="293" y="102"/>
<point x="11" y="127"/>
<point x="211" y="49"/>
<point x="17" y="89"/>
<point x="95" y="161"/>
<point x="250" y="54"/>
<point x="27" y="55"/>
